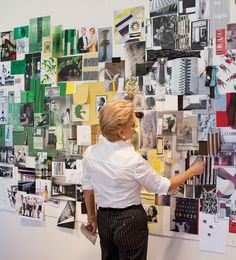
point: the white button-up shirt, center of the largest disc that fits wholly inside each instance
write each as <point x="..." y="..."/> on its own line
<point x="116" y="172"/>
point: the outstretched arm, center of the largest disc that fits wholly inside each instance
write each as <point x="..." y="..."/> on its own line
<point x="196" y="169"/>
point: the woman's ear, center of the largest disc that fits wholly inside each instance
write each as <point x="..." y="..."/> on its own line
<point x="121" y="134"/>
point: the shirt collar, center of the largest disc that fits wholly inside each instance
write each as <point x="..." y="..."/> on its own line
<point x="117" y="144"/>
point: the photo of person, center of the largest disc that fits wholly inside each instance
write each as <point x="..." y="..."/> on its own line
<point x="31" y="206"/>
<point x="27" y="114"/>
<point x="92" y="44"/>
<point x="100" y="102"/>
<point x="82" y="41"/>
<point x="164" y="31"/>
<point x="152" y="214"/>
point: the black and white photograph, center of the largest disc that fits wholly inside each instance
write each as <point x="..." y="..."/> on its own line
<point x="184" y="215"/>
<point x="162" y="7"/>
<point x="183" y="28"/>
<point x="62" y="190"/>
<point x="8" y="194"/>
<point x="4" y="110"/>
<point x="6" y="79"/>
<point x="134" y="54"/>
<point x="79" y="193"/>
<point x="27" y="114"/>
<point x="163" y="31"/>
<point x="6" y="171"/>
<point x="184" y="76"/>
<point x="203" y="9"/>
<point x="150" y="90"/>
<point x="67" y="216"/>
<point x="27" y="186"/>
<point x="199" y="35"/>
<point x="58" y="168"/>
<point x="7" y="155"/>
<point x="187" y="7"/>
<point x="70" y="163"/>
<point x="21" y="152"/>
<point x="139" y="102"/>
<point x="150" y="102"/>
<point x="100" y="102"/>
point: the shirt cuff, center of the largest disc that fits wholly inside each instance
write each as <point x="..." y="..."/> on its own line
<point x="165" y="185"/>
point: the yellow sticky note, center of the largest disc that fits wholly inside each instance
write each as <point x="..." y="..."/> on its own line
<point x="70" y="88"/>
<point x="96" y="95"/>
<point x="81" y="95"/>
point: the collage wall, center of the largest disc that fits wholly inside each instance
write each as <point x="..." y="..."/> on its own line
<point x="179" y="69"/>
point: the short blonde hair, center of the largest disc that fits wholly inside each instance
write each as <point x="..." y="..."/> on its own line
<point x="114" y="116"/>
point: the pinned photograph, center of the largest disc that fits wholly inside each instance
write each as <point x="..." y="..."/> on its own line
<point x="27" y="114"/>
<point x="70" y="68"/>
<point x="105" y="45"/>
<point x="63" y="190"/>
<point x="6" y="79"/>
<point x="43" y="188"/>
<point x="200" y="35"/>
<point x="31" y="206"/>
<point x="100" y="102"/>
<point x="67" y="216"/>
<point x="41" y="120"/>
<point x="6" y="171"/>
<point x="8" y="47"/>
<point x="160" y="7"/>
<point x="163" y="31"/>
<point x="7" y="155"/>
<point x="21" y="152"/>
<point x="8" y="194"/>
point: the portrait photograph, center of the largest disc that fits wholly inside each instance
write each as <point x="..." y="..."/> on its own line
<point x="100" y="102"/>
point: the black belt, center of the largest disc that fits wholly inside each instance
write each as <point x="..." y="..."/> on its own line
<point x="120" y="209"/>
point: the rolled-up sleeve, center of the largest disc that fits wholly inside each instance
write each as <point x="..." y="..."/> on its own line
<point x="150" y="179"/>
<point x="86" y="183"/>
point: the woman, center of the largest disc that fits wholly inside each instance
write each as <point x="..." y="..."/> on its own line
<point x="92" y="46"/>
<point x="152" y="214"/>
<point x="113" y="174"/>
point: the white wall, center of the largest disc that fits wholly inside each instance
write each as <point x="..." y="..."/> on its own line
<point x="24" y="240"/>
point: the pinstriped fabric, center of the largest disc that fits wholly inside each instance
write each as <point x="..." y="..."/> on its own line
<point x="123" y="234"/>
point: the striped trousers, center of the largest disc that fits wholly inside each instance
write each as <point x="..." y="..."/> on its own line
<point x="123" y="233"/>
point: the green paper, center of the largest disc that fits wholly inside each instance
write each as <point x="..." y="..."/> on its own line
<point x="62" y="86"/>
<point x="21" y="32"/>
<point x="18" y="67"/>
<point x="57" y="41"/>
